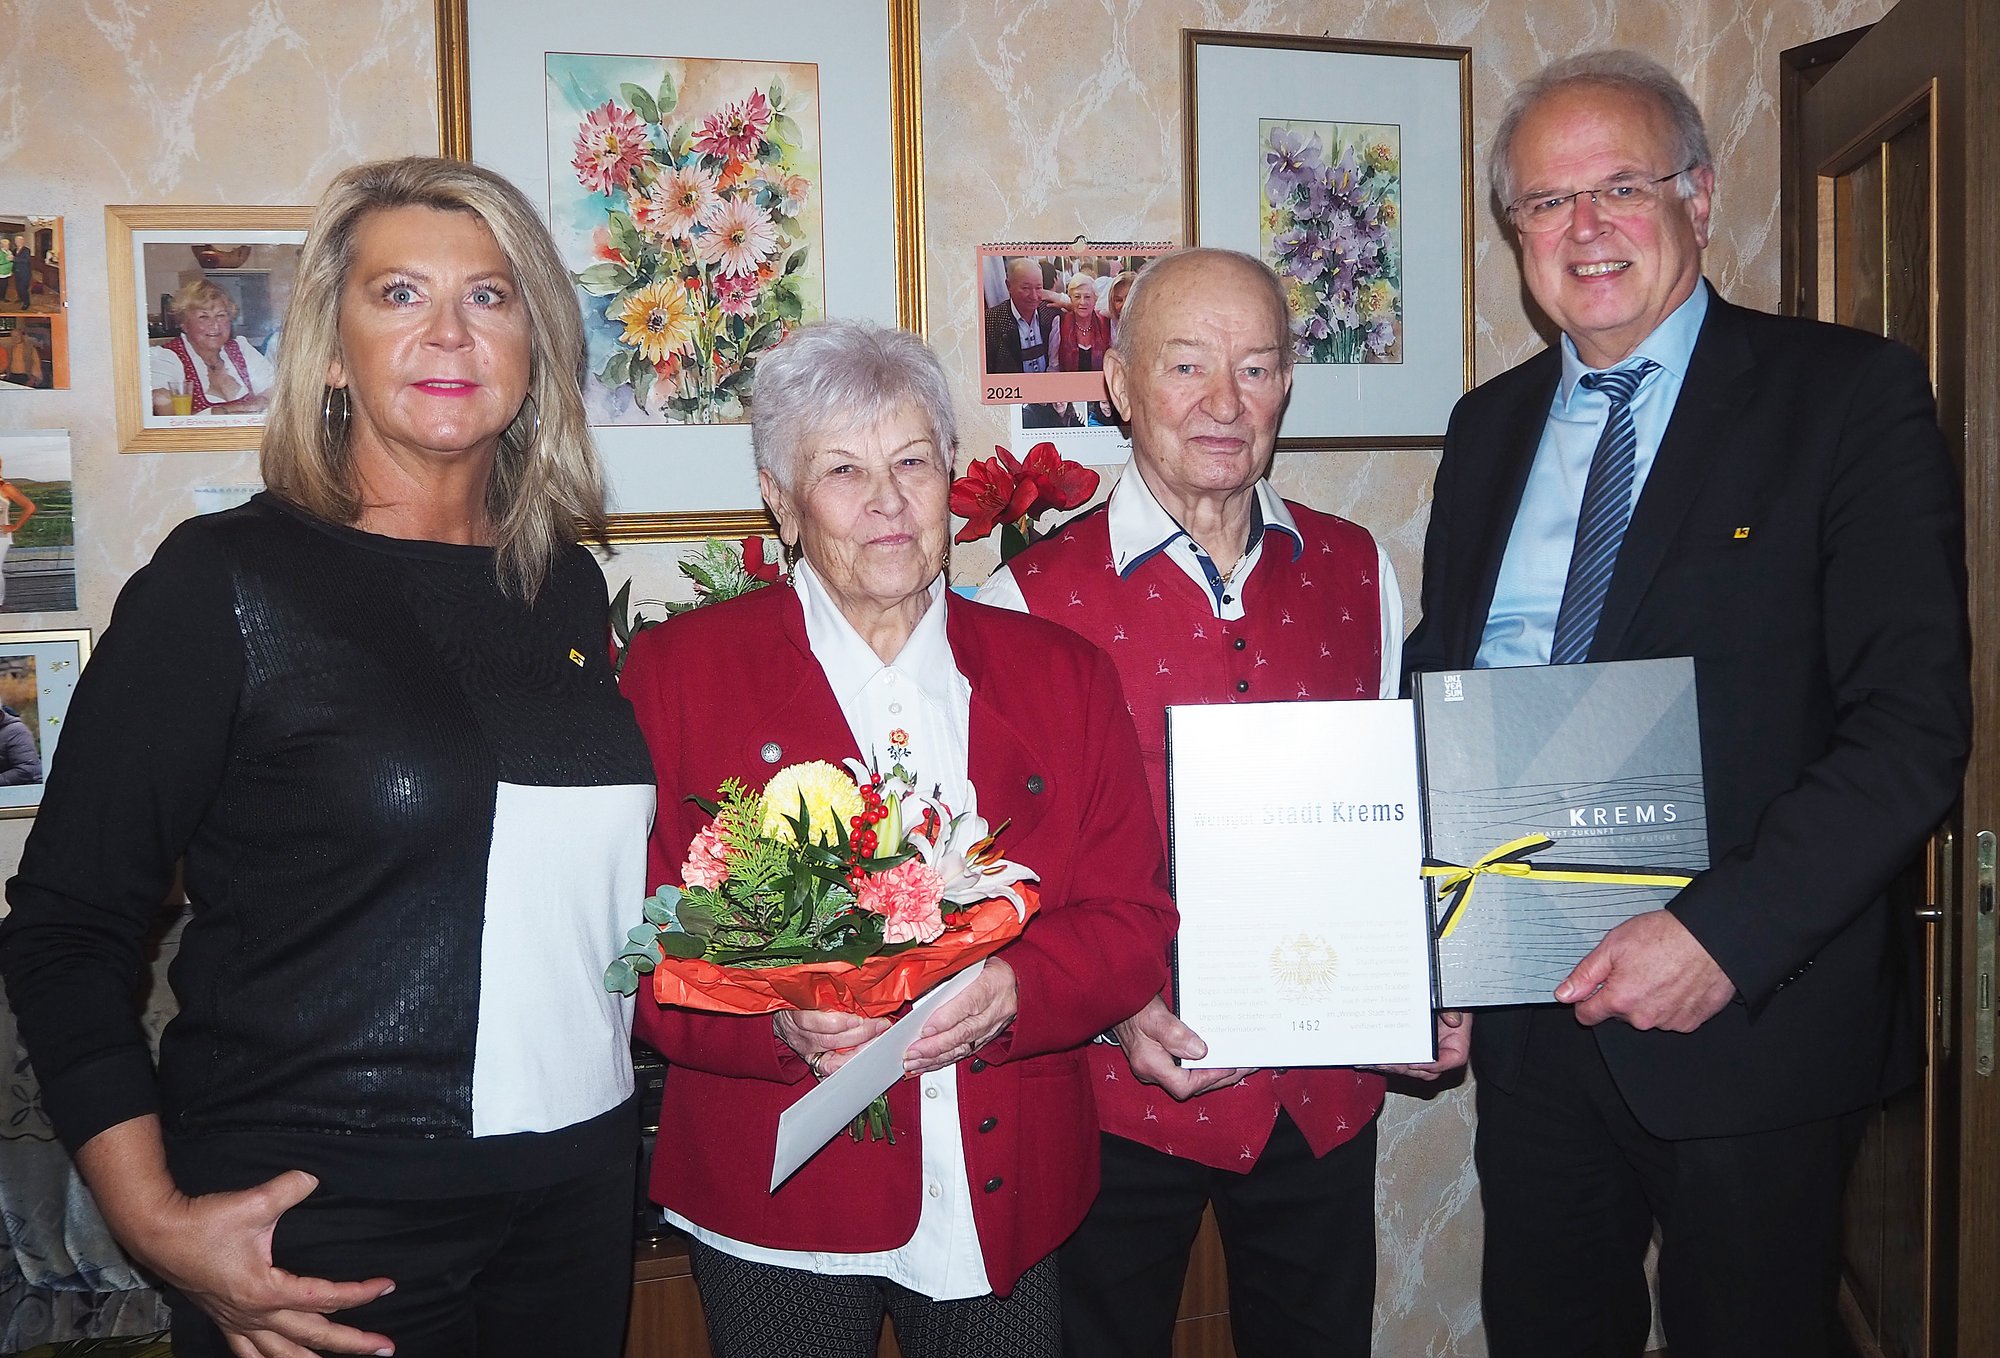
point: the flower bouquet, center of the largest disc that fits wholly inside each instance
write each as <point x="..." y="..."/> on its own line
<point x="1004" y="492"/>
<point x="827" y="889"/>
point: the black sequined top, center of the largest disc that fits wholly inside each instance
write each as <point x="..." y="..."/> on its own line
<point x="412" y="814"/>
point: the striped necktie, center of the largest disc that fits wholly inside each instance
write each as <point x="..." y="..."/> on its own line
<point x="1600" y="524"/>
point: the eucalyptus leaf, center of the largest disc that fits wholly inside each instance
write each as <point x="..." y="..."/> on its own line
<point x="641" y="935"/>
<point x="641" y="102"/>
<point x="684" y="946"/>
<point x="657" y="913"/>
<point x="620" y="979"/>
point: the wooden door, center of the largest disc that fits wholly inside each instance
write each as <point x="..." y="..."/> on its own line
<point x="1891" y="223"/>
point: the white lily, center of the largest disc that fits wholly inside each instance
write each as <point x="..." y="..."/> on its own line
<point x="964" y="854"/>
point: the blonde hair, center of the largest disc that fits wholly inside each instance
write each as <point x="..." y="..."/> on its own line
<point x="200" y="294"/>
<point x="546" y="476"/>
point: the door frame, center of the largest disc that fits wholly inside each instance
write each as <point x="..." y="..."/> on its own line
<point x="1965" y="1308"/>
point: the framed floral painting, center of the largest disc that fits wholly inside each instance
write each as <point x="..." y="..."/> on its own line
<point x="708" y="194"/>
<point x="1345" y="166"/>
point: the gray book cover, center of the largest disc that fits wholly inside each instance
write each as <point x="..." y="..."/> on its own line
<point x="1564" y="771"/>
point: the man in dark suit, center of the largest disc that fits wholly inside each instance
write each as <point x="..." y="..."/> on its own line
<point x="1021" y="332"/>
<point x="1772" y="497"/>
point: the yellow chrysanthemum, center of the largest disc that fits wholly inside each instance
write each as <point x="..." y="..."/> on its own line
<point x="659" y="320"/>
<point x="831" y="799"/>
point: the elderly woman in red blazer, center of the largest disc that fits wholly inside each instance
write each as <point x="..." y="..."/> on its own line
<point x="951" y="1228"/>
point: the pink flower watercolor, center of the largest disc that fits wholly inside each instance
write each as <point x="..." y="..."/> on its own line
<point x="609" y="146"/>
<point x="683" y="199"/>
<point x="739" y="238"/>
<point x="736" y="294"/>
<point x="736" y="131"/>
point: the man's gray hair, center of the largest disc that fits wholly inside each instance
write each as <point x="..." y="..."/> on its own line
<point x="1138" y="300"/>
<point x="834" y="377"/>
<point x="1608" y="69"/>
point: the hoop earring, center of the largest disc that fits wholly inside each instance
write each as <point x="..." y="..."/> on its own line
<point x="944" y="563"/>
<point x="333" y="440"/>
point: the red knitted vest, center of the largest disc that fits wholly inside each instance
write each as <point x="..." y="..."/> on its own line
<point x="1312" y="629"/>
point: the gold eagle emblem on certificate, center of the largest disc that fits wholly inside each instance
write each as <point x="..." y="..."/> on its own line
<point x="1303" y="967"/>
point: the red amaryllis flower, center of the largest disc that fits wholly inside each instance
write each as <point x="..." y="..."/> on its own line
<point x="993" y="491"/>
<point x="1059" y="483"/>
<point x="754" y="564"/>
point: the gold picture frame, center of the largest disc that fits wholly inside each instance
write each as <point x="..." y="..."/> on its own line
<point x="1393" y="109"/>
<point x="44" y="667"/>
<point x="249" y="252"/>
<point x="902" y="206"/>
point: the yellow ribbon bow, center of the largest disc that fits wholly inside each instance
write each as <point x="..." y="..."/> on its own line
<point x="1456" y="880"/>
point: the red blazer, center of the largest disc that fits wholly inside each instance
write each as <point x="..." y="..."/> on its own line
<point x="1052" y="750"/>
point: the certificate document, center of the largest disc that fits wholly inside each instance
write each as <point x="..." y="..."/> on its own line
<point x="1297" y="846"/>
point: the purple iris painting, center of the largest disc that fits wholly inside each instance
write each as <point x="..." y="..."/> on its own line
<point x="1332" y="228"/>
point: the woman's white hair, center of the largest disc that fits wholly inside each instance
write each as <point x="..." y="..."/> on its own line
<point x="831" y="377"/>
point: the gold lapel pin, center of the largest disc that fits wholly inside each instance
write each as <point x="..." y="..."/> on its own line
<point x="1741" y="535"/>
<point x="576" y="657"/>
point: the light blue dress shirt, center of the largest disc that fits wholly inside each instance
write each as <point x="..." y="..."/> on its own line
<point x="1521" y="623"/>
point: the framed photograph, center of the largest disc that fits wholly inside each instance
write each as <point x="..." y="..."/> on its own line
<point x="37" y="523"/>
<point x="198" y="298"/>
<point x="34" y="312"/>
<point x="1345" y="166"/>
<point x="38" y="672"/>
<point x="709" y="188"/>
<point x="1047" y="315"/>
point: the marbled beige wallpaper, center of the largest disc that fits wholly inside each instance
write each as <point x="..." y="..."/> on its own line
<point x="1042" y="119"/>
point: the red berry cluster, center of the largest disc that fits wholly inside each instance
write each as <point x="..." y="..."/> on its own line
<point x="861" y="838"/>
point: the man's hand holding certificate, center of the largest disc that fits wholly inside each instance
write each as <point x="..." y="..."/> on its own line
<point x="1304" y="937"/>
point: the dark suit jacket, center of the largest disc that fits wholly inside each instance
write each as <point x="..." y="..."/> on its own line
<point x="1003" y="337"/>
<point x="1052" y="753"/>
<point x="1800" y="537"/>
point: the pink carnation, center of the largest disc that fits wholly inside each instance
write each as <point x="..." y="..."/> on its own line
<point x="907" y="897"/>
<point x="706" y="864"/>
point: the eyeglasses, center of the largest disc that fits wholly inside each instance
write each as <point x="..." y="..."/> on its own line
<point x="1553" y="213"/>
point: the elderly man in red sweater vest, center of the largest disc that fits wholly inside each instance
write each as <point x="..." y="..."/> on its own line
<point x="1204" y="585"/>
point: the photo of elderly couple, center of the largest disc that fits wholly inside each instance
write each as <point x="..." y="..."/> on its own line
<point x="370" y="721"/>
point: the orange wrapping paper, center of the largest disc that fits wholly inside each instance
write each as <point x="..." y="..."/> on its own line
<point x="875" y="988"/>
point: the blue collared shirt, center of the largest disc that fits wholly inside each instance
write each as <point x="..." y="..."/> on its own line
<point x="1521" y="623"/>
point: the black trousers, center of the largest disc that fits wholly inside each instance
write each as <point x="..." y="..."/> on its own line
<point x="501" y="1275"/>
<point x="1572" y="1186"/>
<point x="768" y="1311"/>
<point x="1298" y="1236"/>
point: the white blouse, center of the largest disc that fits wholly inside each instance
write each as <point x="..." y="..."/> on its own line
<point x="916" y="711"/>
